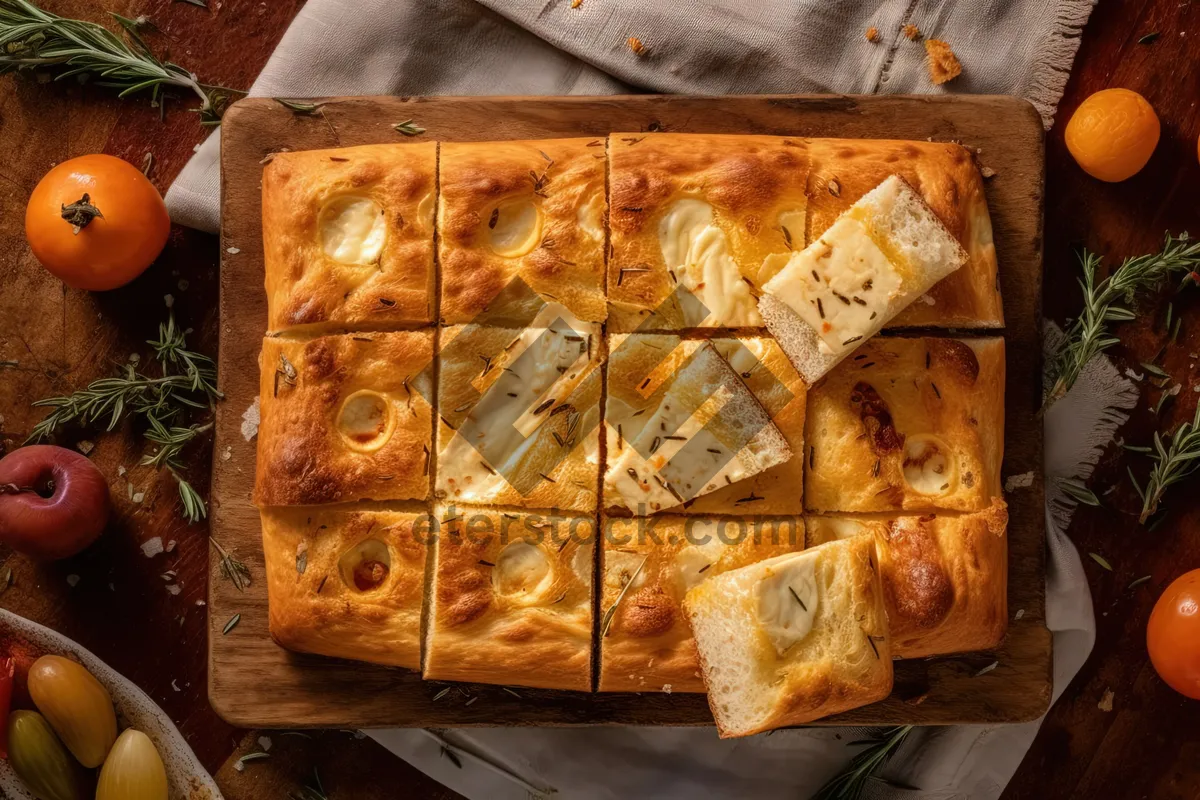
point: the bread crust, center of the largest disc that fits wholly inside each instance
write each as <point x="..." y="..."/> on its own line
<point x="564" y="180"/>
<point x="306" y="288"/>
<point x="479" y="631"/>
<point x="945" y="576"/>
<point x="748" y="180"/>
<point x="309" y="451"/>
<point x="907" y="413"/>
<point x="946" y="177"/>
<point x="316" y="605"/>
<point x="762" y="367"/>
<point x="649" y="645"/>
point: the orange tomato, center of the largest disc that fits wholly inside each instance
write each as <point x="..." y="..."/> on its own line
<point x="1112" y="134"/>
<point x="1173" y="635"/>
<point x="96" y="222"/>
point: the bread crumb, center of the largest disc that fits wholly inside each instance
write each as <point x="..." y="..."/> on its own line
<point x="1106" y="702"/>
<point x="635" y="44"/>
<point x="912" y="31"/>
<point x="872" y="34"/>
<point x="987" y="172"/>
<point x="576" y="3"/>
<point x="943" y="64"/>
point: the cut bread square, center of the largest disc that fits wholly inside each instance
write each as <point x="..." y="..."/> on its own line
<point x="887" y="250"/>
<point x="348" y="237"/>
<point x="908" y="424"/>
<point x="519" y="414"/>
<point x="511" y="598"/>
<point x="681" y="424"/>
<point x="520" y="224"/>
<point x="346" y="581"/>
<point x="693" y="218"/>
<point x="649" y="564"/>
<point x="792" y="639"/>
<point x="948" y="180"/>
<point x="945" y="576"/>
<point x="344" y="418"/>
<point x="761" y="366"/>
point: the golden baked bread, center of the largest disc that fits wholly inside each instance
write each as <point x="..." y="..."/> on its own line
<point x="348" y="237"/>
<point x="520" y="414"/>
<point x="945" y="176"/>
<point x="344" y="418"/>
<point x="346" y="581"/>
<point x="913" y="424"/>
<point x="761" y="366"/>
<point x="533" y="210"/>
<point x="648" y="646"/>
<point x="793" y="638"/>
<point x="945" y="576"/>
<point x="511" y="599"/>
<point x="699" y="212"/>
<point x="681" y="424"/>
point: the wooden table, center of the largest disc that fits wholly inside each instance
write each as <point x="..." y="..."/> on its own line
<point x="1148" y="745"/>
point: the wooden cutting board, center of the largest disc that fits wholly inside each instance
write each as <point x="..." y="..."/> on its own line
<point x="254" y="683"/>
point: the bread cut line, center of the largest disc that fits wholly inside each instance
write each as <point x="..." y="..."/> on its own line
<point x="883" y="253"/>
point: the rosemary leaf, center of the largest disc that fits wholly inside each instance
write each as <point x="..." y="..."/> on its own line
<point x="298" y="106"/>
<point x="1101" y="560"/>
<point x="1078" y="491"/>
<point x="1106" y="301"/>
<point x="200" y="3"/>
<point x="1139" y="581"/>
<point x="31" y="39"/>
<point x="233" y="622"/>
<point x="1172" y="463"/>
<point x="851" y="783"/>
<point x="409" y="128"/>
<point x="259" y="756"/>
<point x="232" y="570"/>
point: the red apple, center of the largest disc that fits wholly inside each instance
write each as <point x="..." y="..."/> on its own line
<point x="53" y="501"/>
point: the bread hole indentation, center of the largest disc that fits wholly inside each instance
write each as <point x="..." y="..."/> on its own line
<point x="366" y="421"/>
<point x="365" y="567"/>
<point x="352" y="229"/>
<point x="929" y="465"/>
<point x="514" y="227"/>
<point x="522" y="572"/>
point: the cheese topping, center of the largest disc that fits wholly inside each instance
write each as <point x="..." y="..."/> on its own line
<point x="697" y="251"/>
<point x="425" y="212"/>
<point x="365" y="421"/>
<point x="787" y="600"/>
<point x="522" y="570"/>
<point x="842" y="285"/>
<point x="352" y="230"/>
<point x="619" y="567"/>
<point x="590" y="216"/>
<point x="844" y="527"/>
<point x="514" y="228"/>
<point x="695" y="561"/>
<point x="929" y="465"/>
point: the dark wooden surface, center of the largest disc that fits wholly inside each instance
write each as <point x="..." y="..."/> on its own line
<point x="255" y="682"/>
<point x="1148" y="746"/>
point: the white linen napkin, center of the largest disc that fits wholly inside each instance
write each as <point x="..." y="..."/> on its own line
<point x="530" y="47"/>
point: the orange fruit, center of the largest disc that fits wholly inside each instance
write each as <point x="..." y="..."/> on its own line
<point x="96" y="222"/>
<point x="1112" y="134"/>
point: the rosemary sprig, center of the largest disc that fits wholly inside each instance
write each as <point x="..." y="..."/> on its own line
<point x="31" y="38"/>
<point x="1108" y="300"/>
<point x="1171" y="464"/>
<point x="233" y="570"/>
<point x="310" y="791"/>
<point x="188" y="381"/>
<point x="851" y="783"/>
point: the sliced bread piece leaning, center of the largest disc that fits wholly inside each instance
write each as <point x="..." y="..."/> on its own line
<point x="793" y="638"/>
<point x="883" y="253"/>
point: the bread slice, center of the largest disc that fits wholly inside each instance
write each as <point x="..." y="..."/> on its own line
<point x="883" y="253"/>
<point x="793" y="638"/>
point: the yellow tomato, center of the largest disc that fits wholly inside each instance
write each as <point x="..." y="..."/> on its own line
<point x="1112" y="134"/>
<point x="96" y="222"/>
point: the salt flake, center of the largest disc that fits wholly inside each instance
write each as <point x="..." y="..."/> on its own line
<point x="174" y="589"/>
<point x="152" y="547"/>
<point x="72" y="581"/>
<point x="265" y="743"/>
<point x="250" y="420"/>
<point x="1022" y="481"/>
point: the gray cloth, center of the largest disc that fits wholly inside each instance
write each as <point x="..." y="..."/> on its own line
<point x="532" y="47"/>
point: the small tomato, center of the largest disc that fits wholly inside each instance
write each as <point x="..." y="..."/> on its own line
<point x="1173" y="635"/>
<point x="96" y="222"/>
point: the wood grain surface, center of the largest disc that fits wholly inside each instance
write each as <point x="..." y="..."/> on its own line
<point x="254" y="682"/>
<point x="1148" y="746"/>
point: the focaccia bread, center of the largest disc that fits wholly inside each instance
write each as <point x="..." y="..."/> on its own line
<point x="511" y="599"/>
<point x="345" y="418"/>
<point x="348" y="237"/>
<point x="688" y="427"/>
<point x="762" y="367"/>
<point x="793" y="638"/>
<point x="519" y="420"/>
<point x="887" y="250"/>
<point x="346" y="581"/>
<point x="648" y="566"/>
<point x="945" y="576"/>
<point x="913" y="424"/>
<point x="693" y="217"/>
<point x="532" y="210"/>
<point x="946" y="177"/>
